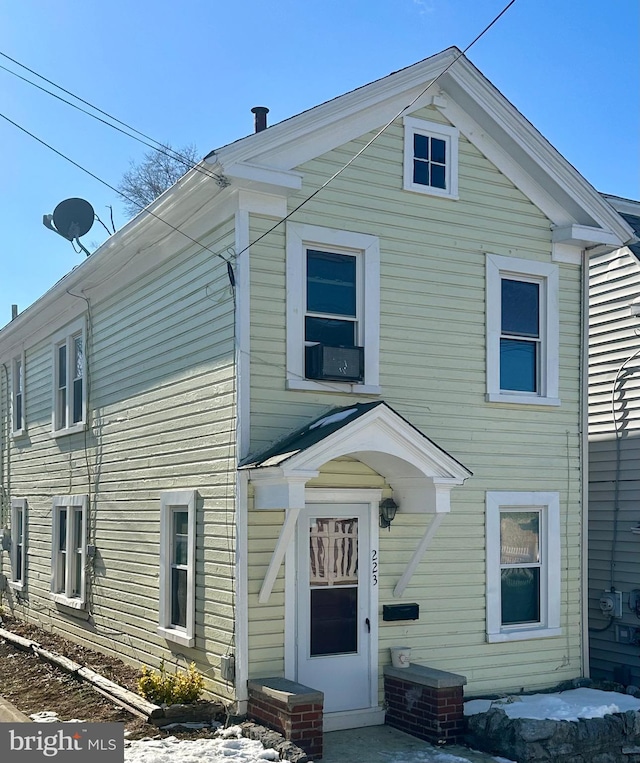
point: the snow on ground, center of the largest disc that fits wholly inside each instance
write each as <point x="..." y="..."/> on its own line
<point x="564" y="706"/>
<point x="229" y="746"/>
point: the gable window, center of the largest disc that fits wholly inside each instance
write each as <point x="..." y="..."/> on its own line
<point x="69" y="384"/>
<point x="69" y="549"/>
<point x="430" y="157"/>
<point x="523" y="565"/>
<point x="17" y="396"/>
<point x="332" y="309"/>
<point x="522" y="331"/>
<point x="18" y="542"/>
<point x="177" y="566"/>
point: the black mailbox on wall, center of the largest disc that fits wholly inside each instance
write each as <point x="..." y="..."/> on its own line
<point x="400" y="611"/>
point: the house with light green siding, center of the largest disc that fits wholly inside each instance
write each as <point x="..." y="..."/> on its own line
<point x="614" y="448"/>
<point x="324" y="399"/>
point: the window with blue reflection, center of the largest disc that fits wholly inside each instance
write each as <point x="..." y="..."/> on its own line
<point x="331" y="283"/>
<point x="520" y="335"/>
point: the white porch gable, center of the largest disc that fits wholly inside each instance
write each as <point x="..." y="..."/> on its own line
<point x="420" y="473"/>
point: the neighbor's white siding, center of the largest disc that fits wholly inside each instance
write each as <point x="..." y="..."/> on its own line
<point x="614" y="481"/>
<point x="161" y="399"/>
<point x="432" y="371"/>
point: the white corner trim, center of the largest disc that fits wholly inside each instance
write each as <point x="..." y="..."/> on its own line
<point x="242" y="587"/>
<point x="418" y="554"/>
<point x="243" y="331"/>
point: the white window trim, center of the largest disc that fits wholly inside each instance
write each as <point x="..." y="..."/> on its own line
<point x="550" y="572"/>
<point x="67" y="335"/>
<point x="22" y="429"/>
<point x="448" y="133"/>
<point x="18" y="504"/>
<point x="182" y="500"/>
<point x="497" y="267"/>
<point x="69" y="502"/>
<point x="300" y="236"/>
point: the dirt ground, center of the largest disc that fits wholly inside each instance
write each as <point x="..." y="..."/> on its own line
<point x="33" y="685"/>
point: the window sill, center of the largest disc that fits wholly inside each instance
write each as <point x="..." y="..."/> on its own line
<point x="428" y="190"/>
<point x="17" y="433"/>
<point x="75" y="429"/>
<point x="15" y="586"/>
<point x="523" y="635"/>
<point x="505" y="397"/>
<point x="60" y="598"/>
<point x="179" y="637"/>
<point x="333" y="386"/>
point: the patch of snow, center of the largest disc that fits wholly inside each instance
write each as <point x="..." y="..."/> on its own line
<point x="45" y="716"/>
<point x="333" y="418"/>
<point x="219" y="750"/>
<point x="564" y="706"/>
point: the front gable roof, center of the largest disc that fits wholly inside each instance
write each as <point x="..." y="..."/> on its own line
<point x="419" y="471"/>
<point x="469" y="101"/>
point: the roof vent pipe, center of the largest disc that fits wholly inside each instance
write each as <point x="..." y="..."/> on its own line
<point x="260" y="117"/>
<point x="14" y="312"/>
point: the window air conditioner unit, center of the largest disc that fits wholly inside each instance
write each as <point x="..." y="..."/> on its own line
<point x="335" y="363"/>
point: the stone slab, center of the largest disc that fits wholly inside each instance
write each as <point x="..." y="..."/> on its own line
<point x="424" y="676"/>
<point x="286" y="692"/>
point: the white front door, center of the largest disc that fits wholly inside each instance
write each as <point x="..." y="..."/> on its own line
<point x="335" y="622"/>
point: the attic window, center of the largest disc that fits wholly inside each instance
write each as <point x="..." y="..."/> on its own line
<point x="430" y="158"/>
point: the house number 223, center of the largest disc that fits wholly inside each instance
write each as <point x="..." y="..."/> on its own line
<point x="374" y="566"/>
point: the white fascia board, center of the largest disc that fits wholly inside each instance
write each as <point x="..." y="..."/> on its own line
<point x="334" y="122"/>
<point x="260" y="178"/>
<point x="583" y="236"/>
<point x="474" y="93"/>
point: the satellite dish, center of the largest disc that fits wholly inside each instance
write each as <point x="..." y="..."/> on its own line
<point x="73" y="218"/>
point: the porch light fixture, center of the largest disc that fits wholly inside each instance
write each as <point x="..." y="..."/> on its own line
<point x="388" y="509"/>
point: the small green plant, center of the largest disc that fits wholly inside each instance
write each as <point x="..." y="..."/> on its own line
<point x="179" y="687"/>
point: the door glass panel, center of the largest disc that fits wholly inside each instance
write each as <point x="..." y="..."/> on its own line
<point x="333" y="579"/>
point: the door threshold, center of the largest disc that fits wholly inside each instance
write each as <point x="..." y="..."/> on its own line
<point x="353" y="719"/>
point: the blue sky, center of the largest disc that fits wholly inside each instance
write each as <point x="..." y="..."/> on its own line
<point x="190" y="72"/>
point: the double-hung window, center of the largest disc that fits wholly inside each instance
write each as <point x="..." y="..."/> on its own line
<point x="522" y="331"/>
<point x="69" y="380"/>
<point x="69" y="550"/>
<point x="18" y="542"/>
<point x="523" y="565"/>
<point x="333" y="288"/>
<point x="177" y="566"/>
<point x="18" y="424"/>
<point x="430" y="157"/>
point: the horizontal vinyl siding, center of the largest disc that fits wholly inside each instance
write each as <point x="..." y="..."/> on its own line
<point x="432" y="371"/>
<point x="614" y="479"/>
<point x="160" y="359"/>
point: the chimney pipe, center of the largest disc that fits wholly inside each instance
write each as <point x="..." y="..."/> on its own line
<point x="260" y="117"/>
<point x="14" y="312"/>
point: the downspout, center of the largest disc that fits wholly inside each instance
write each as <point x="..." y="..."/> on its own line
<point x="584" y="458"/>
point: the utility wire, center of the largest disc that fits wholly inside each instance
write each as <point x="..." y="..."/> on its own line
<point x="161" y="148"/>
<point x="108" y="185"/>
<point x="378" y="134"/>
<point x="177" y="155"/>
<point x="304" y="201"/>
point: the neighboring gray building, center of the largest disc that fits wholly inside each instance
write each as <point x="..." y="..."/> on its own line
<point x="614" y="457"/>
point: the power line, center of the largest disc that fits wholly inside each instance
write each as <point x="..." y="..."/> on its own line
<point x="378" y="134"/>
<point x="161" y="148"/>
<point x="108" y="185"/>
